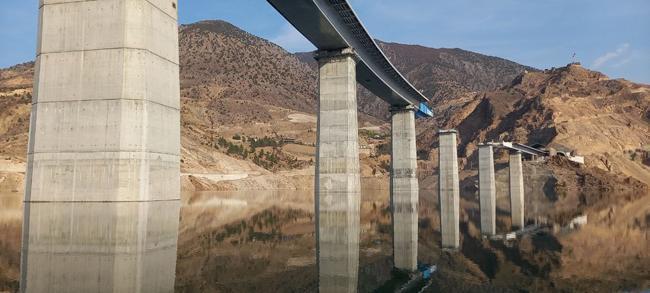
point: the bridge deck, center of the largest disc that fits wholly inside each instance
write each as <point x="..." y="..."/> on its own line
<point x="520" y="147"/>
<point x="333" y="25"/>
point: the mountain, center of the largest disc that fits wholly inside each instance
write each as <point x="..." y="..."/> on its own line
<point x="15" y="104"/>
<point x="233" y="79"/>
<point x="567" y="108"/>
<point x="234" y="83"/>
<point x="441" y="74"/>
<point x="570" y="109"/>
<point x="222" y="63"/>
<point x="444" y="73"/>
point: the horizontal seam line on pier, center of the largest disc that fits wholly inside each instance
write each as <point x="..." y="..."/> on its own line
<point x="62" y="3"/>
<point x="92" y="253"/>
<point x="107" y="49"/>
<point x="112" y="152"/>
<point x="81" y="1"/>
<point x="99" y="100"/>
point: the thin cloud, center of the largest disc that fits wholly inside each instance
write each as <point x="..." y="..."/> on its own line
<point x="620" y="52"/>
<point x="622" y="62"/>
<point x="291" y="40"/>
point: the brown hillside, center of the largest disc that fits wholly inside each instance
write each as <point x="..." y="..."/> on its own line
<point x="442" y="74"/>
<point x="232" y="80"/>
<point x="221" y="62"/>
<point x="569" y="108"/>
<point x="15" y="104"/>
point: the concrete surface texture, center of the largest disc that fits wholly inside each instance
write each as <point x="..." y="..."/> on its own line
<point x="487" y="189"/>
<point x="404" y="189"/>
<point x="517" y="190"/>
<point x="103" y="180"/>
<point x="338" y="186"/>
<point x="449" y="189"/>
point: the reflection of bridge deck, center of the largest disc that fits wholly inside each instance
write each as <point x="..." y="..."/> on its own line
<point x="333" y="25"/>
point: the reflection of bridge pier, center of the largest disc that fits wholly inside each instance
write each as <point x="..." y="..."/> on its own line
<point x="102" y="183"/>
<point x="338" y="186"/>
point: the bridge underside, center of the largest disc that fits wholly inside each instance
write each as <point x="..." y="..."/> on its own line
<point x="332" y="25"/>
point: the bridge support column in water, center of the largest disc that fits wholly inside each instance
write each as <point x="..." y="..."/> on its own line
<point x="487" y="189"/>
<point x="449" y="189"/>
<point x="516" y="190"/>
<point x="404" y="189"/>
<point x="102" y="184"/>
<point x="337" y="186"/>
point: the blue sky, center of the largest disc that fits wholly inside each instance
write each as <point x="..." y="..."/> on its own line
<point x="612" y="36"/>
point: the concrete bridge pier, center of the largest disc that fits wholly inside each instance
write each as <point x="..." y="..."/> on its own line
<point x="449" y="189"/>
<point x="404" y="189"/>
<point x="102" y="191"/>
<point x="487" y="189"/>
<point x="337" y="186"/>
<point x="516" y="190"/>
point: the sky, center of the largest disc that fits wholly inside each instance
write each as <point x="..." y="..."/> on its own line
<point x="611" y="36"/>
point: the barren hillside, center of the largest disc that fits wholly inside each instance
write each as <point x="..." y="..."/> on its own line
<point x="234" y="84"/>
<point x="442" y="74"/>
<point x="568" y="108"/>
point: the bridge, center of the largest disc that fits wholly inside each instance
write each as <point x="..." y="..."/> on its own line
<point x="102" y="193"/>
<point x="347" y="55"/>
<point x="102" y="187"/>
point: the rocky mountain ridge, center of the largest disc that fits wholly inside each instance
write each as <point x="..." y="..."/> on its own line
<point x="442" y="74"/>
<point x="566" y="108"/>
<point x="231" y="78"/>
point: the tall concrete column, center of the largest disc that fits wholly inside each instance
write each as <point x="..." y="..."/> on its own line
<point x="487" y="189"/>
<point x="338" y="186"/>
<point x="517" y="190"/>
<point x="404" y="189"/>
<point x="449" y="189"/>
<point x="102" y="185"/>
